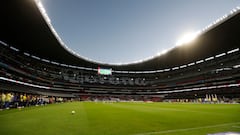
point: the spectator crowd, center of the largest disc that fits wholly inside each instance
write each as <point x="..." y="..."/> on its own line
<point x="20" y="100"/>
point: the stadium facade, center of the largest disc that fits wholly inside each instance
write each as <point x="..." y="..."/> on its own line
<point x="33" y="59"/>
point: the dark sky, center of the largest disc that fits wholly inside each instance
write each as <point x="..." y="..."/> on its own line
<point x="123" y="31"/>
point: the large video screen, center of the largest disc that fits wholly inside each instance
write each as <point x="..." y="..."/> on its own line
<point x="104" y="71"/>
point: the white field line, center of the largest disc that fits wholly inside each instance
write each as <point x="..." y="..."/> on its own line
<point x="186" y="129"/>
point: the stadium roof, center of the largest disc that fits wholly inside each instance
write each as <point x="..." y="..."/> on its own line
<point x="24" y="27"/>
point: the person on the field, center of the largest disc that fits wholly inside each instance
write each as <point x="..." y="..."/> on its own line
<point x="16" y="100"/>
<point x="21" y="100"/>
<point x="8" y="100"/>
<point x="28" y="100"/>
<point x="1" y="102"/>
<point x="24" y="100"/>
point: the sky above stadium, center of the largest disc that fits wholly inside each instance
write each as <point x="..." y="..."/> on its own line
<point x="125" y="31"/>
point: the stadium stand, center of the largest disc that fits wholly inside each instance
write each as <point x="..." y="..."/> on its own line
<point x="209" y="68"/>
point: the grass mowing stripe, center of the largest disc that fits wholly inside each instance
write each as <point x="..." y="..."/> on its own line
<point x="236" y="126"/>
<point x="187" y="129"/>
<point x="161" y="108"/>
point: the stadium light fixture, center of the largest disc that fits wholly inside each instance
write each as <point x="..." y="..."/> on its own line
<point x="236" y="66"/>
<point x="175" y="68"/>
<point x="44" y="60"/>
<point x="23" y="83"/>
<point x="220" y="55"/>
<point x="200" y="61"/>
<point x="13" y="48"/>
<point x="168" y="69"/>
<point x="232" y="51"/>
<point x="164" y="51"/>
<point x="191" y="64"/>
<point x="183" y="66"/>
<point x="210" y="58"/>
<point x="27" y="54"/>
<point x="187" y="38"/>
<point x="35" y="57"/>
<point x="3" y="43"/>
<point x="43" y="10"/>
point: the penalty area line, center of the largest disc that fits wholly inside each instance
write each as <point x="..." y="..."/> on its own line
<point x="187" y="129"/>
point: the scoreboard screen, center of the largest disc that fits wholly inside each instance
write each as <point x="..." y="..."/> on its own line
<point x="104" y="71"/>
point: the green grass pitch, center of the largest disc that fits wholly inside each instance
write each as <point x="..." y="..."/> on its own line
<point x="121" y="119"/>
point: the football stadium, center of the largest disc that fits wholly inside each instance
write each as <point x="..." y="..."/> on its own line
<point x="192" y="89"/>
